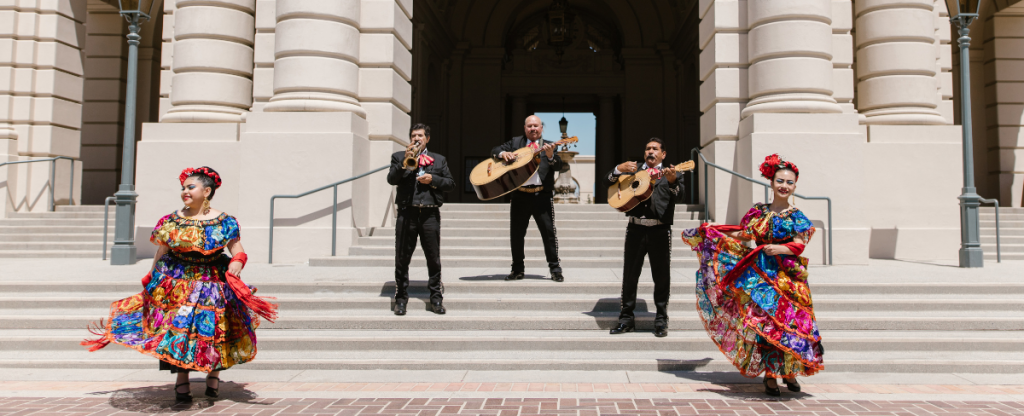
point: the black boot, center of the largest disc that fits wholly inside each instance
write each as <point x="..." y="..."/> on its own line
<point x="622" y="329"/>
<point x="515" y="276"/>
<point x="399" y="308"/>
<point x="437" y="307"/>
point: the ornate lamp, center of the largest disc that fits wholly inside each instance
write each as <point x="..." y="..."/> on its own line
<point x="563" y="126"/>
<point x="962" y="13"/>
<point x="123" y="252"/>
<point x="559" y="26"/>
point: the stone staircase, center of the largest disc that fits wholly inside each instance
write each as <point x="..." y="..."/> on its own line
<point x="69" y="232"/>
<point x="534" y="324"/>
<point x="477" y="235"/>
<point x="1012" y="232"/>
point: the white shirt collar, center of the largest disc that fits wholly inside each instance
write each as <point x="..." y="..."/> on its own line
<point x="645" y="167"/>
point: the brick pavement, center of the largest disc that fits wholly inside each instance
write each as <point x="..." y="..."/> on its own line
<point x="258" y="399"/>
<point x="130" y="405"/>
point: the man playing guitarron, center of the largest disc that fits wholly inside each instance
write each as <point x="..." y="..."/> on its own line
<point x="649" y="233"/>
<point x="533" y="199"/>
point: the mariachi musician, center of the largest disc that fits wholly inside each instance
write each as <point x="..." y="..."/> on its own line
<point x="422" y="178"/>
<point x="534" y="199"/>
<point x="649" y="233"/>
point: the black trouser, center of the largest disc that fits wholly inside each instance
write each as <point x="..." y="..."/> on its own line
<point x="655" y="243"/>
<point x="424" y="223"/>
<point x="541" y="207"/>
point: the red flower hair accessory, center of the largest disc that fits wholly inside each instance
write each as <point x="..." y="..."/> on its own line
<point x="773" y="163"/>
<point x="212" y="174"/>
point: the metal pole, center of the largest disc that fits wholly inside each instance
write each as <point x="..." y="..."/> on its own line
<point x="71" y="188"/>
<point x="970" y="236"/>
<point x="707" y="213"/>
<point x="106" y="217"/>
<point x="270" y="255"/>
<point x="124" y="250"/>
<point x="53" y="176"/>
<point x="334" y="223"/>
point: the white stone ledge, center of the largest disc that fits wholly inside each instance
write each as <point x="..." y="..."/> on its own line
<point x="842" y="50"/>
<point x="897" y="91"/>
<point x="347" y="12"/>
<point x="724" y="50"/>
<point x="842" y="15"/>
<point x="896" y="58"/>
<point x="791" y="75"/>
<point x="724" y="85"/>
<point x="387" y="122"/>
<point x="206" y="132"/>
<point x="212" y="55"/>
<point x="168" y="31"/>
<point x="266" y="15"/>
<point x="384" y="50"/>
<point x="896" y="25"/>
<point x="205" y="88"/>
<point x="762" y="12"/>
<point x="312" y="73"/>
<point x="789" y="38"/>
<point x="722" y="16"/>
<point x="316" y="37"/>
<point x="720" y="122"/>
<point x="214" y="23"/>
<point x="384" y="84"/>
<point x="384" y="16"/>
<point x="263" y="84"/>
<point x="263" y="51"/>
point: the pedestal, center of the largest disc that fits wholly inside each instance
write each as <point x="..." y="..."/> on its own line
<point x="565" y="187"/>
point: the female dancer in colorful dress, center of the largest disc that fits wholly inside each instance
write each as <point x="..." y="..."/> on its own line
<point x="755" y="303"/>
<point x="194" y="312"/>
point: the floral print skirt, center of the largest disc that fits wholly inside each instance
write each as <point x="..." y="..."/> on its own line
<point x="764" y="320"/>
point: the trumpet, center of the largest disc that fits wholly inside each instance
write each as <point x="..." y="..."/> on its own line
<point x="412" y="155"/>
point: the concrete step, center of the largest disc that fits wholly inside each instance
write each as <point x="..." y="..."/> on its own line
<point x="1004" y="239"/>
<point x="1004" y="232"/>
<point x="468" y="320"/>
<point x="842" y="361"/>
<point x="1004" y="223"/>
<point x="38" y="237"/>
<point x="64" y="215"/>
<point x="505" y="207"/>
<point x="560" y="224"/>
<point x="609" y="303"/>
<point x="81" y="208"/>
<point x="51" y="222"/>
<point x="41" y="254"/>
<point x="499" y="252"/>
<point x="582" y="341"/>
<point x="1002" y="210"/>
<point x="1013" y="248"/>
<point x="610" y="215"/>
<point x="44" y="229"/>
<point x="1003" y="216"/>
<point x="453" y="229"/>
<point x="563" y="242"/>
<point x="503" y="262"/>
<point x="95" y="245"/>
<point x="532" y="285"/>
<point x="1006" y="256"/>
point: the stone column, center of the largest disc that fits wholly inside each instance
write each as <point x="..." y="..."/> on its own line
<point x="896" y="65"/>
<point x="316" y="50"/>
<point x="213" y="61"/>
<point x="1004" y="96"/>
<point x="790" y="54"/>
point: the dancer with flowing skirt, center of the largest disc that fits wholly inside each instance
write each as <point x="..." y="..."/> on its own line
<point x="755" y="302"/>
<point x="194" y="313"/>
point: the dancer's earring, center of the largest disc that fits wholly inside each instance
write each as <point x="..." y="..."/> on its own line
<point x="206" y="206"/>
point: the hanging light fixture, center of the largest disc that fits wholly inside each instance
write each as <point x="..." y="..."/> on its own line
<point x="563" y="124"/>
<point x="560" y="25"/>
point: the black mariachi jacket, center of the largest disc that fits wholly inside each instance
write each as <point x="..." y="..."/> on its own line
<point x="546" y="169"/>
<point x="662" y="203"/>
<point x="410" y="191"/>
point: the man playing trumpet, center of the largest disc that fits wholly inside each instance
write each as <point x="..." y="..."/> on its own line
<point x="422" y="178"/>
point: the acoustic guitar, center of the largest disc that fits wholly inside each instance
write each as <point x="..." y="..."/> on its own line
<point x="495" y="177"/>
<point x="631" y="190"/>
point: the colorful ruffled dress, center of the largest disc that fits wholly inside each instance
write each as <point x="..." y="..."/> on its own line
<point x="760" y="316"/>
<point x="188" y="315"/>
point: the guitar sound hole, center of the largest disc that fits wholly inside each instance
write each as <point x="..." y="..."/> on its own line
<point x="636" y="184"/>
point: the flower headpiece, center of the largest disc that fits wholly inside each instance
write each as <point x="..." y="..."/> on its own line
<point x="773" y="163"/>
<point x="212" y="174"/>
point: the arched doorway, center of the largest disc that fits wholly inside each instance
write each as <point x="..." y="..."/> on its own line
<point x="481" y="67"/>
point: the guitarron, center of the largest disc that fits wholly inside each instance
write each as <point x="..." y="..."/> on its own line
<point x="631" y="190"/>
<point x="494" y="177"/>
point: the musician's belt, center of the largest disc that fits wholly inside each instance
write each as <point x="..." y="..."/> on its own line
<point x="531" y="189"/>
<point x="425" y="206"/>
<point x="646" y="222"/>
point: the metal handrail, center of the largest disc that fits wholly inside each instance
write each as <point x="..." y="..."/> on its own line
<point x="334" y="210"/>
<point x="767" y="194"/>
<point x="53" y="173"/>
<point x="999" y="249"/>
<point x="106" y="217"/>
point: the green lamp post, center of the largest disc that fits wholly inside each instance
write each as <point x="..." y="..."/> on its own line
<point x="962" y="13"/>
<point x="136" y="12"/>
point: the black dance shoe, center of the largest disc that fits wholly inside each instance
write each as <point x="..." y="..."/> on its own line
<point x="622" y="329"/>
<point x="556" y="276"/>
<point x="661" y="331"/>
<point x="185" y="397"/>
<point x="515" y="276"/>
<point x="437" y="307"/>
<point x="212" y="391"/>
<point x="792" y="386"/>
<point x="399" y="308"/>
<point x="772" y="391"/>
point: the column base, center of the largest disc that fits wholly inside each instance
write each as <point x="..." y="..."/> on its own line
<point x="905" y="116"/>
<point x="203" y="114"/>
<point x="792" y="103"/>
<point x="313" y="102"/>
<point x="123" y="255"/>
<point x="972" y="257"/>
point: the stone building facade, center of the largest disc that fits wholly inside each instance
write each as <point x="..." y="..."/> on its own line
<point x="283" y="96"/>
